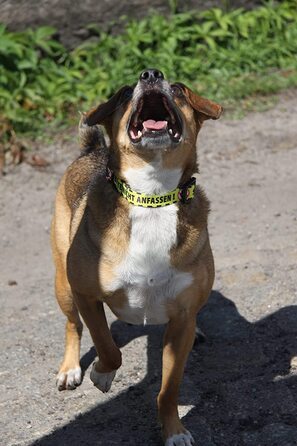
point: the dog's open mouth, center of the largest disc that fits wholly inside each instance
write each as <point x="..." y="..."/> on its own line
<point x="154" y="117"/>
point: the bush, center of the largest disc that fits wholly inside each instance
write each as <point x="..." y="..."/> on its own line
<point x="223" y="55"/>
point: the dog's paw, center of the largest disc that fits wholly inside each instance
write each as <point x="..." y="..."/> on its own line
<point x="102" y="380"/>
<point x="183" y="439"/>
<point x="69" y="379"/>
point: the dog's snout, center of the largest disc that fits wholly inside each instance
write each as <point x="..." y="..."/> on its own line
<point x="151" y="75"/>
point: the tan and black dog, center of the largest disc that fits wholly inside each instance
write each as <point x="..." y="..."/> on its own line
<point x="130" y="231"/>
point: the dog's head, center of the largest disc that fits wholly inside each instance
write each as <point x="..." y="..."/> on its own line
<point x="154" y="114"/>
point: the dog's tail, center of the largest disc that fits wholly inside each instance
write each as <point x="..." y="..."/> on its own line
<point x="91" y="137"/>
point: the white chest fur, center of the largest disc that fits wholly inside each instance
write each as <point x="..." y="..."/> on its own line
<point x="145" y="273"/>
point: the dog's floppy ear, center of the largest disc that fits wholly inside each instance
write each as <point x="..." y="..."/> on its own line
<point x="206" y="108"/>
<point x="99" y="114"/>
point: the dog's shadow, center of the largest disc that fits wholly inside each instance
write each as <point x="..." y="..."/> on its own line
<point x="236" y="389"/>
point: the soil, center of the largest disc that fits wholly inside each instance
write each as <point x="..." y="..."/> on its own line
<point x="240" y="384"/>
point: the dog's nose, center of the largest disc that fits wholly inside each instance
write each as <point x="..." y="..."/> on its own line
<point x="151" y="76"/>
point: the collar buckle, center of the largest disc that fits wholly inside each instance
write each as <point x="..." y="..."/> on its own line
<point x="184" y="190"/>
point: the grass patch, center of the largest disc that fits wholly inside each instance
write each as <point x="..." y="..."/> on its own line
<point x="227" y="56"/>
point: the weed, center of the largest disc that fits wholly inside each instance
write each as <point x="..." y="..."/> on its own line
<point x="227" y="55"/>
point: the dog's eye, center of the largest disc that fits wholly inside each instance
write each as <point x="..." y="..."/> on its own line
<point x="176" y="90"/>
<point x="127" y="94"/>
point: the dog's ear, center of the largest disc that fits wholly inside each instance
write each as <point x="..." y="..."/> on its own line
<point x="204" y="107"/>
<point x="101" y="113"/>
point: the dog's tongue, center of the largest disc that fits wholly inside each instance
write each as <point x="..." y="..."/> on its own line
<point x="150" y="124"/>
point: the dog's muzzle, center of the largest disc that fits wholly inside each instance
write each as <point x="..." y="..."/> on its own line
<point x="155" y="119"/>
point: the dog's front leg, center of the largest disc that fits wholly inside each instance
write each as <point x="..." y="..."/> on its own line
<point x="178" y="341"/>
<point x="110" y="358"/>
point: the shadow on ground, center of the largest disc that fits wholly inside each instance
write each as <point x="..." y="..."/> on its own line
<point x="237" y="383"/>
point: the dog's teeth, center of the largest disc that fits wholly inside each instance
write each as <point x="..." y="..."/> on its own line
<point x="170" y="131"/>
<point x="139" y="134"/>
<point x="176" y="135"/>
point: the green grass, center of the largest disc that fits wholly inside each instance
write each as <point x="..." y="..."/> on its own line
<point x="226" y="56"/>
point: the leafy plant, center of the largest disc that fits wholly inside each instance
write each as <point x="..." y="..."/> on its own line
<point x="224" y="54"/>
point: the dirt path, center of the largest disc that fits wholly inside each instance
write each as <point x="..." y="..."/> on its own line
<point x="240" y="387"/>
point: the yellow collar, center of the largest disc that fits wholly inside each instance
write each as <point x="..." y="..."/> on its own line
<point x="181" y="194"/>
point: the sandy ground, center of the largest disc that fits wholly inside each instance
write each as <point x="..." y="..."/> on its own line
<point x="240" y="385"/>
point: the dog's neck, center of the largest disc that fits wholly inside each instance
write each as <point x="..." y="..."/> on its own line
<point x="154" y="174"/>
<point x="152" y="177"/>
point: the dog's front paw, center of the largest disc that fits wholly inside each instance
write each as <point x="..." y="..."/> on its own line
<point x="102" y="380"/>
<point x="69" y="378"/>
<point x="183" y="439"/>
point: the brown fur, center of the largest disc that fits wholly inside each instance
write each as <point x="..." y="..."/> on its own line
<point x="90" y="236"/>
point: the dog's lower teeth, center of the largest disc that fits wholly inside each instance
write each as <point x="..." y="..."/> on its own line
<point x="139" y="134"/>
<point x="170" y="131"/>
<point x="176" y="135"/>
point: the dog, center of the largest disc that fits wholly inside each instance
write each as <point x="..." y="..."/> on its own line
<point x="130" y="230"/>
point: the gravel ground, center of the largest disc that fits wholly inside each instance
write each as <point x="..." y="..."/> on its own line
<point x="240" y="385"/>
